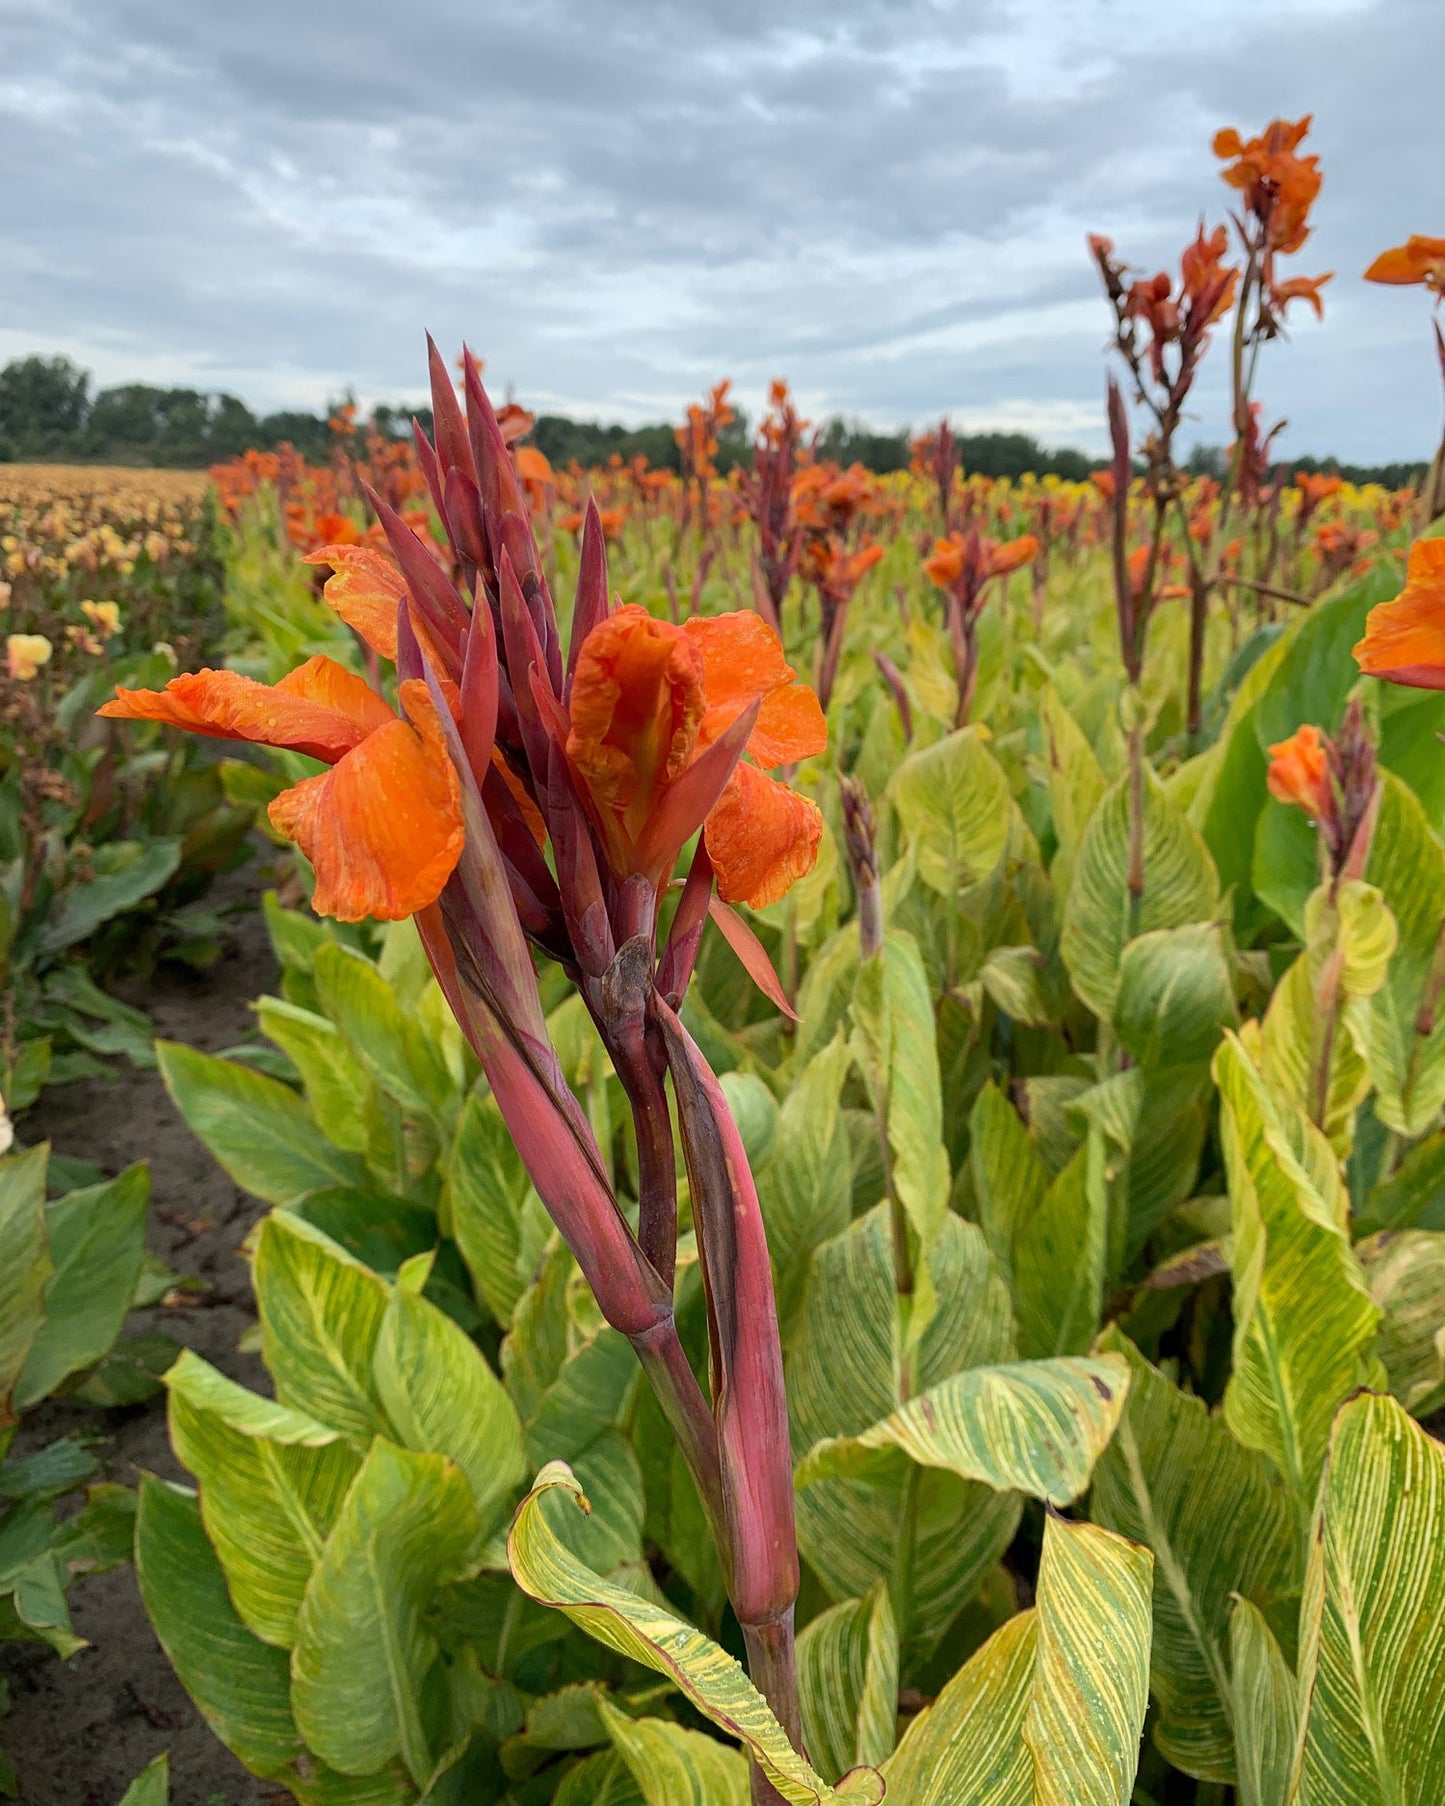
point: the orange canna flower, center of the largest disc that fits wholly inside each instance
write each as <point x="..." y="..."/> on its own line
<point x="1405" y="639"/>
<point x="945" y="564"/>
<point x="648" y="699"/>
<point x="1299" y="773"/>
<point x="383" y="827"/>
<point x="1419" y="259"/>
<point x="1279" y="187"/>
<point x="1300" y="288"/>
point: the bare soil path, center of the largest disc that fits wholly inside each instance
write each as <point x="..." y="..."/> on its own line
<point x="79" y="1731"/>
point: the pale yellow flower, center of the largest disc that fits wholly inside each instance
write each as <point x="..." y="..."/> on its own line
<point x="4" y="595"/>
<point x="104" y="615"/>
<point x="25" y="653"/>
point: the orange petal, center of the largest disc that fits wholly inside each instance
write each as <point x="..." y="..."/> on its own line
<point x="364" y="589"/>
<point x="742" y="658"/>
<point x="790" y="727"/>
<point x="383" y="829"/>
<point x="761" y="838"/>
<point x="320" y="709"/>
<point x="1013" y="556"/>
<point x="636" y="702"/>
<point x="1405" y="639"/>
<point x="1399" y="264"/>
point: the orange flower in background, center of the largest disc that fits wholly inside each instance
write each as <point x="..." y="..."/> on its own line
<point x="648" y="698"/>
<point x="1299" y="773"/>
<point x="1279" y="186"/>
<point x="1300" y="288"/>
<point x="383" y="827"/>
<point x="1405" y="639"/>
<point x="945" y="565"/>
<point x="1419" y="259"/>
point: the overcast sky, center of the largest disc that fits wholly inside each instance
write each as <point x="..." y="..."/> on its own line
<point x="883" y="200"/>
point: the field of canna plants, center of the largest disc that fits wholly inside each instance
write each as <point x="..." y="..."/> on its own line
<point x="847" y="1151"/>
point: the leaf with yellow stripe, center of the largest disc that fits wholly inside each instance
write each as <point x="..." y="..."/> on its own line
<point x="651" y="1634"/>
<point x="1050" y="1711"/>
<point x="1372" y="1631"/>
<point x="1304" y="1320"/>
<point x="272" y="1481"/>
<point x="848" y="1684"/>
<point x="673" y="1766"/>
<point x="1035" y="1427"/>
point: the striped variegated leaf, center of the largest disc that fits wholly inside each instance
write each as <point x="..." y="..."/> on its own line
<point x="848" y="1683"/>
<point x="1372" y="1631"/>
<point x="364" y="1645"/>
<point x="1036" y="1427"/>
<point x="673" y="1766"/>
<point x="1405" y="1270"/>
<point x="1265" y="1709"/>
<point x="1050" y="1710"/>
<point x="1303" y="1316"/>
<point x="272" y="1481"/>
<point x="321" y="1312"/>
<point x="651" y="1634"/>
<point x="845" y="1358"/>
<point x="1101" y="916"/>
<point x="1219" y="1522"/>
<point x="1405" y="1047"/>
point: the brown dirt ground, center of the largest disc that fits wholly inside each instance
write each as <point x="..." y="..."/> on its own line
<point x="79" y="1731"/>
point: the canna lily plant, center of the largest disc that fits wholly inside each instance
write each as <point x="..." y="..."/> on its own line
<point x="519" y="800"/>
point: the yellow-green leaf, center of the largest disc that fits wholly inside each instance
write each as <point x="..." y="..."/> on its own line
<point x="848" y="1684"/>
<point x="954" y="803"/>
<point x="272" y="1481"/>
<point x="1405" y="1271"/>
<point x="673" y="1766"/>
<point x="363" y="1644"/>
<point x="1049" y="1712"/>
<point x="651" y="1634"/>
<point x="1303" y="1316"/>
<point x="1036" y="1427"/>
<point x="1372" y="1636"/>
<point x="1100" y="917"/>
<point x="25" y="1264"/>
<point x="321" y="1313"/>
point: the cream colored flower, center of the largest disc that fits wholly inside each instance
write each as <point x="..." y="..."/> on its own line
<point x="25" y="653"/>
<point x="104" y="615"/>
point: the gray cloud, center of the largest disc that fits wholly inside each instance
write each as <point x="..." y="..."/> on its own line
<point x="885" y="201"/>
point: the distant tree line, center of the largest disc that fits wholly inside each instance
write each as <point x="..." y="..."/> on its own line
<point x="48" y="413"/>
<point x="1213" y="461"/>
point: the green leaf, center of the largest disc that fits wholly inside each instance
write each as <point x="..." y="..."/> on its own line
<point x="97" y="1238"/>
<point x="1049" y="1712"/>
<point x="240" y="1685"/>
<point x="649" y="1633"/>
<point x="390" y="1042"/>
<point x="1405" y="1271"/>
<point x="1013" y="979"/>
<point x="321" y="1313"/>
<point x="272" y="1481"/>
<point x="1099" y="915"/>
<point x="440" y="1396"/>
<point x="257" y="1128"/>
<point x="1266" y="1709"/>
<point x="47" y="1473"/>
<point x="497" y="1220"/>
<point x="844" y="1365"/>
<point x="1059" y="1255"/>
<point x="804" y="1188"/>
<point x="152" y="1786"/>
<point x="848" y="1684"/>
<point x="954" y="803"/>
<point x="126" y="873"/>
<point x="1076" y="782"/>
<point x="673" y="1766"/>
<point x="336" y="1083"/>
<point x="1176" y="993"/>
<point x="1219" y="1523"/>
<point x="363" y="1648"/>
<point x="1303" y="1317"/>
<point x="1405" y="1035"/>
<point x="1372" y="1636"/>
<point x="1036" y="1427"/>
<point x="895" y="1045"/>
<point x="25" y="1265"/>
